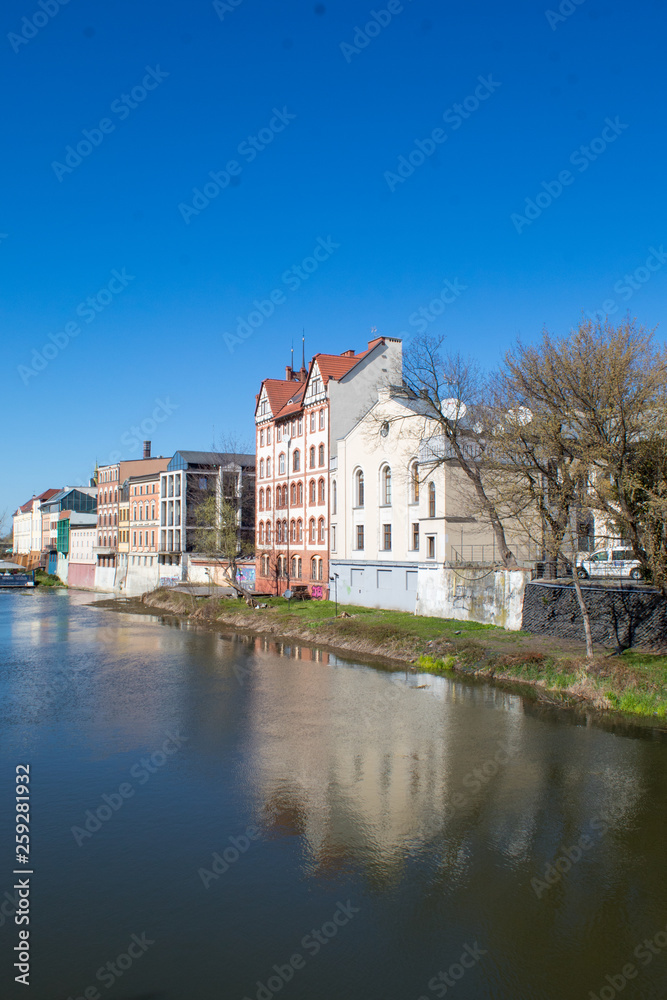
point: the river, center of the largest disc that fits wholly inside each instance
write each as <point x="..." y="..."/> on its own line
<point x="221" y="817"/>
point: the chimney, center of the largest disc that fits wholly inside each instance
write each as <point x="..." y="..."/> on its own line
<point x="347" y="354"/>
<point x="289" y="374"/>
<point x="147" y="449"/>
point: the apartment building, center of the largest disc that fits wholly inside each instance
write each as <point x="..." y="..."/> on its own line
<point x="299" y="420"/>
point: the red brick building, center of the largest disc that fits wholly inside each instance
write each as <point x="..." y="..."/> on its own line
<point x="298" y="421"/>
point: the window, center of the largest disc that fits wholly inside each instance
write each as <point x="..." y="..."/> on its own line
<point x="360" y="537"/>
<point x="386" y="486"/>
<point x="268" y="435"/>
<point x="292" y="494"/>
<point x="261" y="468"/>
<point x="311" y="491"/>
<point x="296" y="460"/>
<point x="299" y="493"/>
<point x="321" y="455"/>
<point x="320" y="531"/>
<point x="261" y="532"/>
<point x="359" y="489"/>
<point x="261" y="499"/>
<point x="415" y="536"/>
<point x="281" y="464"/>
<point x="265" y="565"/>
<point x="261" y="439"/>
<point x="268" y="532"/>
<point x="300" y="426"/>
<point x="268" y="468"/>
<point x="293" y="530"/>
<point x="282" y="566"/>
<point x="332" y="534"/>
<point x="134" y="538"/>
<point x="430" y="546"/>
<point x="414" y="483"/>
<point x="431" y="499"/>
<point x="312" y="451"/>
<point x="313" y="568"/>
<point x="299" y="530"/>
<point x="279" y="532"/>
<point x="321" y="496"/>
<point x="268" y="498"/>
<point x="334" y="498"/>
<point x="153" y="511"/>
<point x="321" y="420"/>
<point x="311" y="528"/>
<point x="312" y="420"/>
<point x="279" y="432"/>
<point x="386" y="537"/>
<point x="284" y="496"/>
<point x="134" y="513"/>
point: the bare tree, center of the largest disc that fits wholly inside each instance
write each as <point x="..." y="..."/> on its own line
<point x="454" y="394"/>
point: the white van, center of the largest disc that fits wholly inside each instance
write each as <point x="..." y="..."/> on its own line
<point x="610" y="562"/>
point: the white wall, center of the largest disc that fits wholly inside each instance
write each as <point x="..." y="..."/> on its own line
<point x="479" y="594"/>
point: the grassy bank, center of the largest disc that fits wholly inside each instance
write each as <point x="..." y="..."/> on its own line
<point x="48" y="579"/>
<point x="634" y="683"/>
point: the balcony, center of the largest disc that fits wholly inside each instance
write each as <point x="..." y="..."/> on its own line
<point x="104" y="550"/>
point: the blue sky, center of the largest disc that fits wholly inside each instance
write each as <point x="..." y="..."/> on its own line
<point x="333" y="110"/>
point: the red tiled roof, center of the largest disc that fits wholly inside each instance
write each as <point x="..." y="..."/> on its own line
<point x="279" y="392"/>
<point x="336" y="365"/>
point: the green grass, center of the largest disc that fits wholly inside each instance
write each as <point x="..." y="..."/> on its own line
<point x="48" y="579"/>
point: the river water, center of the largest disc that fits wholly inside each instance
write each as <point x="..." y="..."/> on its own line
<point x="223" y="817"/>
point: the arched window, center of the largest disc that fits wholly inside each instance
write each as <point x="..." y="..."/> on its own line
<point x="311" y="528"/>
<point x="385" y="477"/>
<point x="299" y="530"/>
<point x="299" y="493"/>
<point x="115" y="495"/>
<point x="321" y="455"/>
<point x="284" y="531"/>
<point x="134" y="512"/>
<point x="115" y="520"/>
<point x="321" y="420"/>
<point x="105" y="497"/>
<point x="296" y="460"/>
<point x="284" y="496"/>
<point x="268" y="468"/>
<point x="115" y="541"/>
<point x="279" y="532"/>
<point x="281" y="464"/>
<point x="312" y="420"/>
<point x="312" y="453"/>
<point x="281" y="565"/>
<point x="261" y="532"/>
<point x="359" y="488"/>
<point x="261" y="468"/>
<point x="320" y="491"/>
<point x="293" y="530"/>
<point x="414" y="483"/>
<point x="311" y="491"/>
<point x="320" y="531"/>
<point x="292" y="494"/>
<point x="313" y="568"/>
<point x="268" y="532"/>
<point x="334" y="497"/>
<point x="294" y="567"/>
<point x="261" y="499"/>
<point x="265" y="565"/>
<point x="431" y="499"/>
<point x="152" y="511"/>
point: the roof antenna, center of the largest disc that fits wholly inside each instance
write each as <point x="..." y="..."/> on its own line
<point x="303" y="348"/>
<point x="292" y="364"/>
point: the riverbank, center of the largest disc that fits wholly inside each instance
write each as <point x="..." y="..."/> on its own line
<point x="633" y="683"/>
